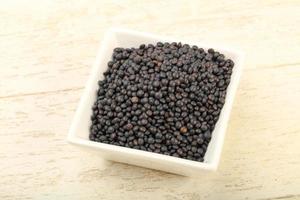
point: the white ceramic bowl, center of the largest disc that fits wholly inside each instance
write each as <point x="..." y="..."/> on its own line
<point x="79" y="131"/>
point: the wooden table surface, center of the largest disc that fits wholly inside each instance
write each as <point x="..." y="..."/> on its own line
<point x="46" y="52"/>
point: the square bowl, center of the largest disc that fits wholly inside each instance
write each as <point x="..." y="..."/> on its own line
<point x="79" y="130"/>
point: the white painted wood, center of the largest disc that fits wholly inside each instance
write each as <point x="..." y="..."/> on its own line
<point x="46" y="52"/>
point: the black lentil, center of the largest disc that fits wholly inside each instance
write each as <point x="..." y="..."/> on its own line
<point x="164" y="98"/>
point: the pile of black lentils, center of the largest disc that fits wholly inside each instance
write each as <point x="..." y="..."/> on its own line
<point x="164" y="98"/>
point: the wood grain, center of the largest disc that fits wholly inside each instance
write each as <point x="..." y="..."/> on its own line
<point x="46" y="52"/>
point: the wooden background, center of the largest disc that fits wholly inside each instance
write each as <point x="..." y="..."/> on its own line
<point x="46" y="52"/>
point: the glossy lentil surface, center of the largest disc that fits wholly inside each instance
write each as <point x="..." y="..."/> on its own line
<point x="164" y="98"/>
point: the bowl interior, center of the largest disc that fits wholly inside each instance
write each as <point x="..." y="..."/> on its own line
<point x="125" y="38"/>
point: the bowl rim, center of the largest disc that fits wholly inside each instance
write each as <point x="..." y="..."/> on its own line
<point x="74" y="139"/>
